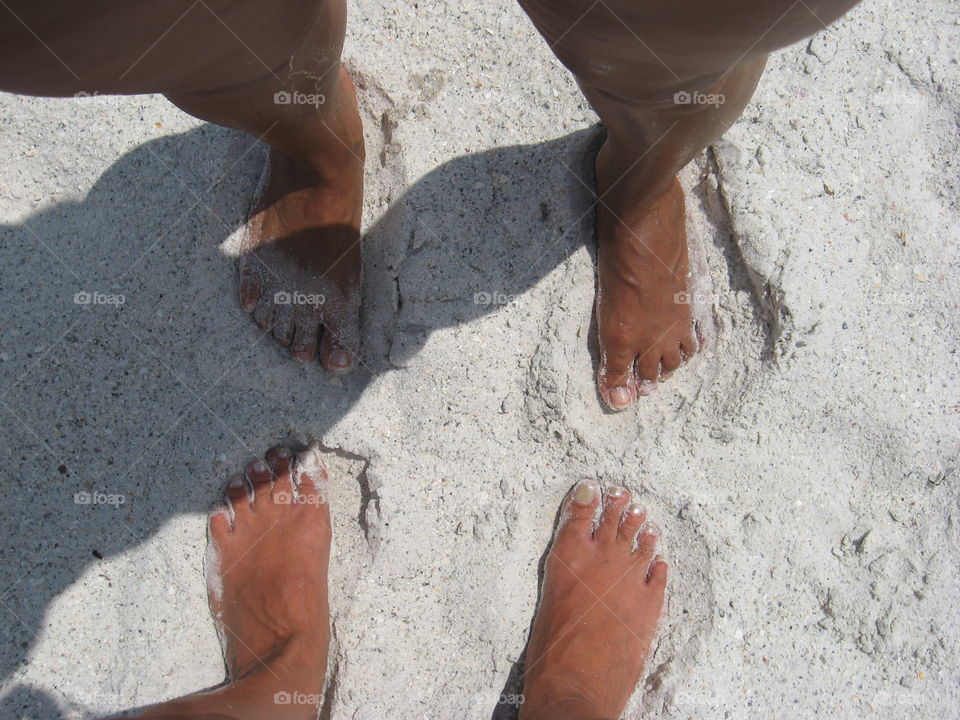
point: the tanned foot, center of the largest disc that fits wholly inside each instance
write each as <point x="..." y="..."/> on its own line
<point x="644" y="322"/>
<point x="300" y="261"/>
<point x="267" y="573"/>
<point x="601" y="600"/>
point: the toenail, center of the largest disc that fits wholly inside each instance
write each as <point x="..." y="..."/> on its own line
<point x="585" y="493"/>
<point x="620" y="397"/>
<point x="283" y="452"/>
<point x="259" y="466"/>
<point x="235" y="482"/>
<point x="650" y="528"/>
<point x="636" y="509"/>
<point x="616" y="492"/>
<point x="340" y="359"/>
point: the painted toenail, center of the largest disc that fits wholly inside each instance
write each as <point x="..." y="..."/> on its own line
<point x="636" y="509"/>
<point x="259" y="466"/>
<point x="650" y="528"/>
<point x="235" y="482"/>
<point x="585" y="493"/>
<point x="620" y="397"/>
<point x="616" y="492"/>
<point x="340" y="359"/>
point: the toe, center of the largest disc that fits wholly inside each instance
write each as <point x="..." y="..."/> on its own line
<point x="283" y="325"/>
<point x="670" y="361"/>
<point x="304" y="345"/>
<point x="283" y="490"/>
<point x="579" y="510"/>
<point x="279" y="459"/>
<point x="657" y="574"/>
<point x="251" y="283"/>
<point x="648" y="366"/>
<point x="263" y="313"/>
<point x="615" y="499"/>
<point x="689" y="346"/>
<point x="335" y="357"/>
<point x="630" y="523"/>
<point x="239" y="495"/>
<point x="616" y="379"/>
<point x="260" y="478"/>
<point x="312" y="487"/>
<point x="308" y="467"/>
<point x="647" y="542"/>
<point x="258" y="472"/>
<point x="701" y="340"/>
<point x="219" y="524"/>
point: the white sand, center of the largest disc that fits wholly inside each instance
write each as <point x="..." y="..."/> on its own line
<point x="803" y="470"/>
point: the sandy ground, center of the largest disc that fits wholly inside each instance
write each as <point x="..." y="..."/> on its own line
<point x="804" y="470"/>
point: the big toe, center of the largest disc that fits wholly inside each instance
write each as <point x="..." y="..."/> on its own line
<point x="579" y="510"/>
<point x="616" y="379"/>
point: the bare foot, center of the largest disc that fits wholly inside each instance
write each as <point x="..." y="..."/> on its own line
<point x="598" y="613"/>
<point x="644" y="322"/>
<point x="267" y="561"/>
<point x="300" y="261"/>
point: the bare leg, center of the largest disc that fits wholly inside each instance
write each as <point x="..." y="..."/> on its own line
<point x="598" y="613"/>
<point x="268" y="578"/>
<point x="270" y="69"/>
<point x="666" y="79"/>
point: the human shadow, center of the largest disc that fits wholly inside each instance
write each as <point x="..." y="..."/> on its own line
<point x="132" y="383"/>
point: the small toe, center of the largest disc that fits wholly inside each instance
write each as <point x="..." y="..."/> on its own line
<point x="630" y="523"/>
<point x="701" y="340"/>
<point x="615" y="499"/>
<point x="311" y="488"/>
<point x="647" y="542"/>
<point x="689" y="346"/>
<point x="219" y="523"/>
<point x="657" y="574"/>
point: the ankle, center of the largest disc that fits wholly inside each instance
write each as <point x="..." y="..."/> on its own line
<point x="569" y="709"/>
<point x="630" y="183"/>
<point x="566" y="699"/>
